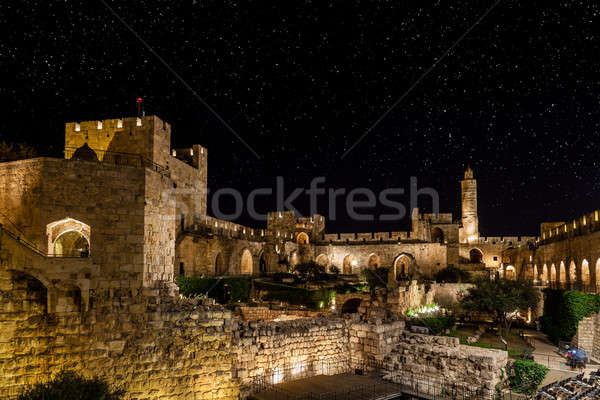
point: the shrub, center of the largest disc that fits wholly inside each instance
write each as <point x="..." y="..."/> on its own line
<point x="280" y="276"/>
<point x="526" y="376"/>
<point x="68" y="385"/>
<point x="347" y="288"/>
<point x="437" y="324"/>
<point x="310" y="271"/>
<point x="314" y="299"/>
<point x="564" y="309"/>
<point x="240" y="288"/>
<point x="452" y="274"/>
<point x="375" y="278"/>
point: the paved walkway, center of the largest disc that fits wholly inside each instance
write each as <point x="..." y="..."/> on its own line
<point x="546" y="353"/>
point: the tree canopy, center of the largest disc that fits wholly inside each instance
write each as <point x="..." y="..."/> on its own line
<point x="15" y="151"/>
<point x="502" y="298"/>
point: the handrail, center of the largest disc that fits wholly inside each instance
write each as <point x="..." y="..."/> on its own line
<point x="25" y="242"/>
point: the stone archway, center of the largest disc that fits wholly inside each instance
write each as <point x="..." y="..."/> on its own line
<point x="403" y="266"/>
<point x="586" y="273"/>
<point x="246" y="267"/>
<point x="68" y="238"/>
<point x="437" y="235"/>
<point x="510" y="272"/>
<point x="562" y="272"/>
<point x="475" y="256"/>
<point x="302" y="238"/>
<point x="349" y="264"/>
<point x="373" y="262"/>
<point x="544" y="277"/>
<point x="572" y="275"/>
<point x="322" y="260"/>
<point x="553" y="274"/>
<point x="351" y="306"/>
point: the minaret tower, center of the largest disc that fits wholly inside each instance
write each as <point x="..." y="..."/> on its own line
<point x="469" y="232"/>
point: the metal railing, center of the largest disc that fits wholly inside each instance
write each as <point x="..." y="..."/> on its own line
<point x="381" y="383"/>
<point x="21" y="239"/>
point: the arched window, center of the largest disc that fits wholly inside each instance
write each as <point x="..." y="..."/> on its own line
<point x="349" y="264"/>
<point x="403" y="266"/>
<point x="71" y="244"/>
<point x="374" y="261"/>
<point x="322" y="260"/>
<point x="475" y="256"/>
<point x="302" y="238"/>
<point x="437" y="235"/>
<point x="68" y="238"/>
<point x="510" y="272"/>
<point x="572" y="272"/>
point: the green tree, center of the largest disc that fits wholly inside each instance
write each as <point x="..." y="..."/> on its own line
<point x="309" y="271"/>
<point x="15" y="151"/>
<point x="502" y="298"/>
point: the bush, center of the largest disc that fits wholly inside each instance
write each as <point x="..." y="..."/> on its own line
<point x="452" y="274"/>
<point x="310" y="271"/>
<point x="564" y="309"/>
<point x="437" y="324"/>
<point x="314" y="299"/>
<point x="68" y="385"/>
<point x="240" y="288"/>
<point x="526" y="376"/>
<point x="347" y="288"/>
<point x="375" y="278"/>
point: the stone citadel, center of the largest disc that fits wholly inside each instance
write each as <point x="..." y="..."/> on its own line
<point x="91" y="245"/>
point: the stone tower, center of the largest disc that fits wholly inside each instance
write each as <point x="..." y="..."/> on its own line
<point x="469" y="231"/>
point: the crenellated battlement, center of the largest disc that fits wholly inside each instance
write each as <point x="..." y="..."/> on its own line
<point x="361" y="237"/>
<point x="515" y="241"/>
<point x="552" y="231"/>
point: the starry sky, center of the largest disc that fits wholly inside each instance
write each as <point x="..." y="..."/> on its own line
<point x="300" y="81"/>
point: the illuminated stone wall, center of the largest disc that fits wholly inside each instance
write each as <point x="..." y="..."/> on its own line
<point x="150" y="345"/>
<point x="284" y="350"/>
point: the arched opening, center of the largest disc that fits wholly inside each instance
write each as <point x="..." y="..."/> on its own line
<point x="349" y="264"/>
<point x="246" y="264"/>
<point x="536" y="275"/>
<point x="475" y="256"/>
<point x="572" y="272"/>
<point x="437" y="235"/>
<point x="24" y="294"/>
<point x="302" y="238"/>
<point x="294" y="259"/>
<point x="562" y="272"/>
<point x="544" y="277"/>
<point x="219" y="265"/>
<point x="68" y="238"/>
<point x="585" y="272"/>
<point x="262" y="264"/>
<point x="374" y="261"/>
<point x="322" y="260"/>
<point x="597" y="274"/>
<point x="351" y="306"/>
<point x="71" y="244"/>
<point x="403" y="266"/>
<point x="553" y="273"/>
<point x="510" y="273"/>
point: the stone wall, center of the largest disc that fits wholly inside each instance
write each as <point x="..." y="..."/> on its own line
<point x="588" y="336"/>
<point x="445" y="360"/>
<point x="147" y="344"/>
<point x="371" y="343"/>
<point x="285" y="350"/>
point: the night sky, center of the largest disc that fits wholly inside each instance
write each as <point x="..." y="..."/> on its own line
<point x="301" y="81"/>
